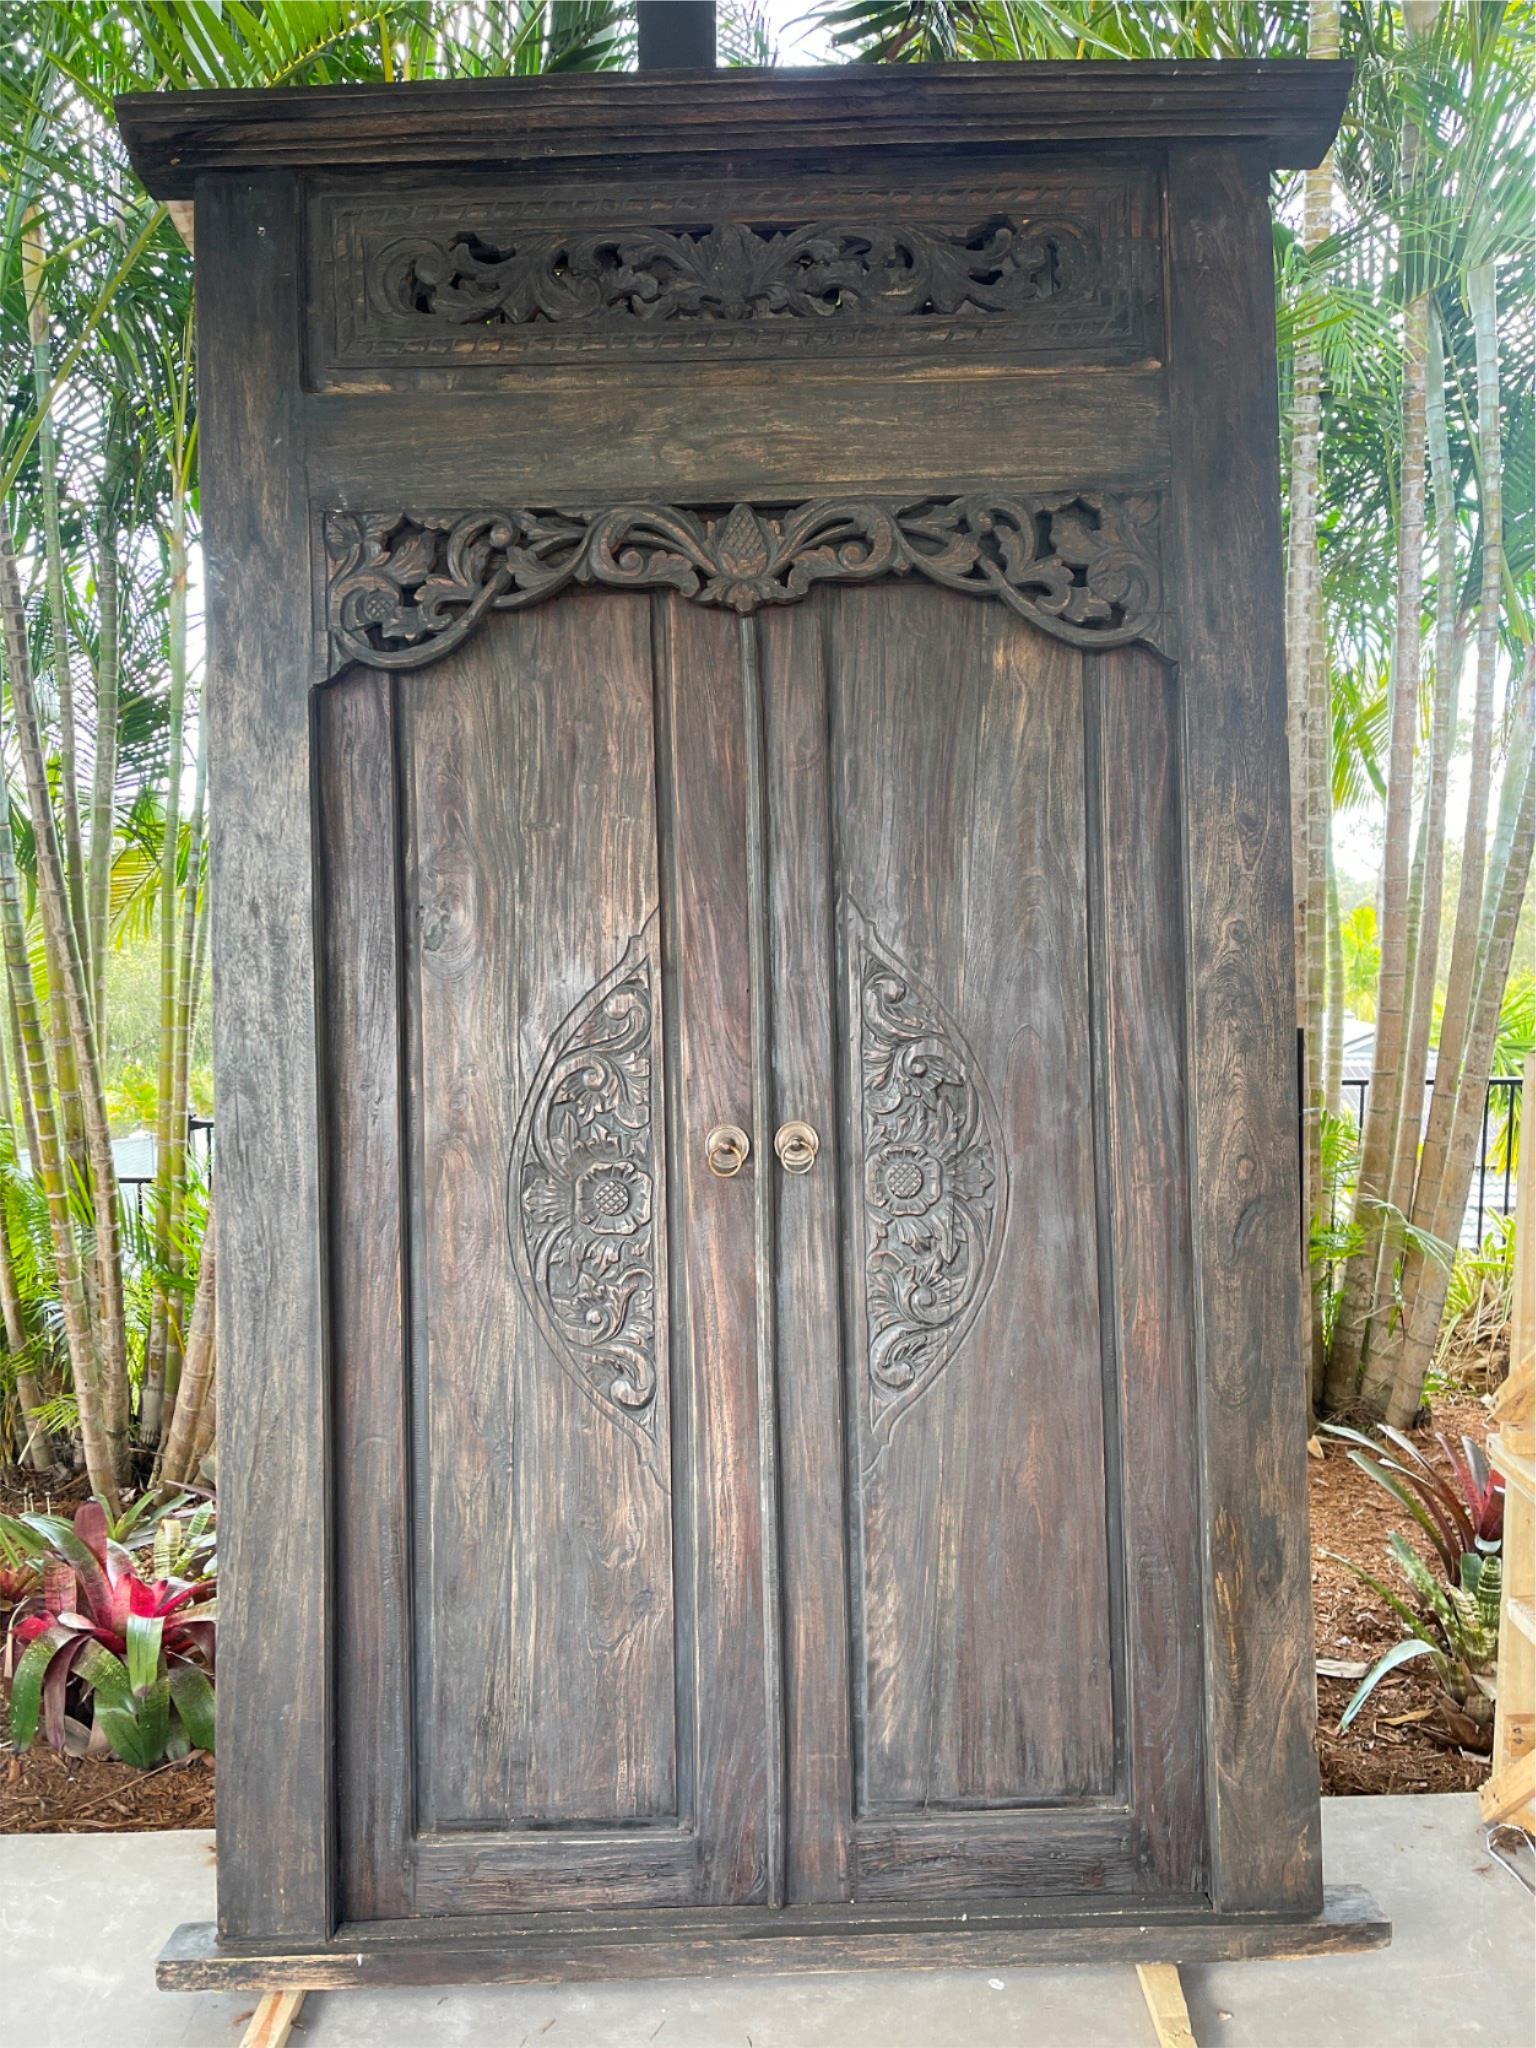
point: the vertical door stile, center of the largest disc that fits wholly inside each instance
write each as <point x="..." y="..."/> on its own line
<point x="1100" y="1025"/>
<point x="809" y="1275"/>
<point x="1149" y="1317"/>
<point x="764" y="1203"/>
<point x="358" y="728"/>
<point x="680" y="1322"/>
<point x="716" y="1238"/>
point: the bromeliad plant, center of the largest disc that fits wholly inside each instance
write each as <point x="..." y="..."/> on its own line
<point x="1455" y="1626"/>
<point x="111" y="1658"/>
<point x="1452" y="1617"/>
<point x="1456" y="1499"/>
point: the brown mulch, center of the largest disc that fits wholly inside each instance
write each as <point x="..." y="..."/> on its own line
<point x="45" y="1793"/>
<point x="1381" y="1752"/>
<point x="1352" y="1516"/>
<point x="23" y="1493"/>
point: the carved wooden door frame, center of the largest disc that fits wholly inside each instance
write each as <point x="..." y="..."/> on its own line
<point x="292" y="431"/>
<point x="406" y="589"/>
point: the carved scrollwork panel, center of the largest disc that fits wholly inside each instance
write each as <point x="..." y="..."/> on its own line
<point x="583" y="1193"/>
<point x="1057" y="262"/>
<point x="727" y="270"/>
<point x="404" y="588"/>
<point x="933" y="1176"/>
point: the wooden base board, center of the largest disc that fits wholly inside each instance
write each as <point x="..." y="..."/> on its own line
<point x="680" y="1944"/>
<point x="272" y="2021"/>
<point x="1164" y="1994"/>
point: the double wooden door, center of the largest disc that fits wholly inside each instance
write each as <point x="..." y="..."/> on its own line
<point x="761" y="1537"/>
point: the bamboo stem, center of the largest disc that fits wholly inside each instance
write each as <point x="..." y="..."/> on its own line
<point x="77" y="1074"/>
<point x="178" y="1462"/>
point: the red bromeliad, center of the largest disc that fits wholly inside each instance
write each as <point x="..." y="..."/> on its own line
<point x="140" y="1651"/>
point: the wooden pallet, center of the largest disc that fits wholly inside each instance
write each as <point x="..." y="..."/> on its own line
<point x="272" y="2022"/>
<point x="1510" y="1793"/>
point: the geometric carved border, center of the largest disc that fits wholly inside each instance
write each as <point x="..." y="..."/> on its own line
<point x="404" y="588"/>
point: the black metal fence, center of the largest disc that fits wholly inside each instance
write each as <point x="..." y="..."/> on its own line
<point x="1493" y="1186"/>
<point x="134" y="1188"/>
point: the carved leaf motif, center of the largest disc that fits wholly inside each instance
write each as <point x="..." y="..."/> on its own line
<point x="729" y="271"/>
<point x="934" y="1176"/>
<point x="404" y="588"/>
<point x="582" y="1192"/>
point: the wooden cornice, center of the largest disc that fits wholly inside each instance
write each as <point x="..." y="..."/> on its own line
<point x="1287" y="110"/>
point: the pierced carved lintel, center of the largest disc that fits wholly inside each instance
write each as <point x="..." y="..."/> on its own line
<point x="403" y="588"/>
<point x="728" y="270"/>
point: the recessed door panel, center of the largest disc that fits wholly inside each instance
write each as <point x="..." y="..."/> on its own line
<point x="976" y="1380"/>
<point x="576" y="1640"/>
<point x="761" y="1529"/>
<point x="981" y="1004"/>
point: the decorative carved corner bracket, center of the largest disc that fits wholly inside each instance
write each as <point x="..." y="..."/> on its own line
<point x="403" y="588"/>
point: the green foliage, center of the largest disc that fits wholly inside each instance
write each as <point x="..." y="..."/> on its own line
<point x="1451" y="1612"/>
<point x="1362" y="961"/>
<point x="1478" y="1304"/>
<point x="1456" y="1497"/>
<point x="110" y="1657"/>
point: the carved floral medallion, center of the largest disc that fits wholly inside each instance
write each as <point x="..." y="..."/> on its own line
<point x="934" y="1176"/>
<point x="404" y="588"/>
<point x="582" y="1193"/>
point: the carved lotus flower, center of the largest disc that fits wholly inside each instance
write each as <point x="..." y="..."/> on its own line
<point x="744" y="548"/>
<point x="903" y="1180"/>
<point x="613" y="1198"/>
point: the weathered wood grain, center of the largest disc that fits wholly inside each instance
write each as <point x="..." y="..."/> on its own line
<point x="360" y="915"/>
<point x="798" y="1940"/>
<point x="1040" y="1853"/>
<point x="412" y="280"/>
<point x="1137" y="909"/>
<point x="1287" y="109"/>
<point x="275" y="1697"/>
<point x="1262" y="1778"/>
<point x="985" y="1673"/>
<point x="801" y="1561"/>
<point x="808" y="1278"/>
<point x="708" y="435"/>
<point x="545" y="1673"/>
<point x="732" y="1632"/>
<point x="537" y="1870"/>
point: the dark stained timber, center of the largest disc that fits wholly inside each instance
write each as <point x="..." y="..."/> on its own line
<point x="759" y="1279"/>
<point x="1348" y="1924"/>
<point x="1054" y="266"/>
<point x="1261" y="1695"/>
<point x="404" y="588"/>
<point x="1287" y="110"/>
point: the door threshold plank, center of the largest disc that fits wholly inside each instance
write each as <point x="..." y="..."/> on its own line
<point x="194" y="1960"/>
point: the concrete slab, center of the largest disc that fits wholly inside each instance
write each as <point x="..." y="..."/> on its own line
<point x="82" y="1917"/>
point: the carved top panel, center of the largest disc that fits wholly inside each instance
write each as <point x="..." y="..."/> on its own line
<point x="1057" y="266"/>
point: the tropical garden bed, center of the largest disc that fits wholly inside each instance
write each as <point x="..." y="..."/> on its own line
<point x="1395" y="1745"/>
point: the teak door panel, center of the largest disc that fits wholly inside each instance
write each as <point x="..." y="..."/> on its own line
<point x="978" y="943"/>
<point x="566" y="1367"/>
<point x="496" y="780"/>
<point x="894" y="863"/>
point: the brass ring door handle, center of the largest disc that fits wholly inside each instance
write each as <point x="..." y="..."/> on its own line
<point x="726" y="1149"/>
<point x="797" y="1145"/>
